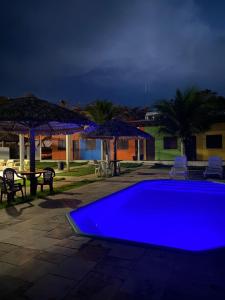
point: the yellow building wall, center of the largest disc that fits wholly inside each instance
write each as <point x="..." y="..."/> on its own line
<point x="202" y="152"/>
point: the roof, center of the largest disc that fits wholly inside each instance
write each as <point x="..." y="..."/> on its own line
<point x="115" y="129"/>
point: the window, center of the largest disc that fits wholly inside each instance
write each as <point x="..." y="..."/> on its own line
<point x="214" y="141"/>
<point x="122" y="144"/>
<point x="90" y="144"/>
<point x="170" y="142"/>
<point x="61" y="145"/>
<point x="46" y="153"/>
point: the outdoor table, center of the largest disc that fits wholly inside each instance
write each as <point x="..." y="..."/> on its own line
<point x="28" y="174"/>
<point x="117" y="161"/>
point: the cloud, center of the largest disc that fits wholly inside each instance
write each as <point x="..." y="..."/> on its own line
<point x="124" y="46"/>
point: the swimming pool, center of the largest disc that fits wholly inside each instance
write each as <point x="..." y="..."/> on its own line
<point x="182" y="214"/>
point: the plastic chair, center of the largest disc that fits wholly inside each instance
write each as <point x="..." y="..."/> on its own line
<point x="2" y="164"/>
<point x="97" y="166"/>
<point x="5" y="190"/>
<point x="48" y="178"/>
<point x="106" y="169"/>
<point x="10" y="175"/>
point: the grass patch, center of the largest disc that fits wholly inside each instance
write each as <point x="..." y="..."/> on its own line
<point x="131" y="165"/>
<point x="78" y="172"/>
<point x="54" y="165"/>
<point x="160" y="166"/>
<point x="57" y="190"/>
<point x="39" y="179"/>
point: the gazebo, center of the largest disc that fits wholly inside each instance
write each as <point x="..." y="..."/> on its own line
<point x="114" y="130"/>
<point x="33" y="116"/>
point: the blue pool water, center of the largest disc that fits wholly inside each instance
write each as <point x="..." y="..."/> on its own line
<point x="181" y="214"/>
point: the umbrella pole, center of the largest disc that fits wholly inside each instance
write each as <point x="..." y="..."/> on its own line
<point x="68" y="150"/>
<point x="33" y="183"/>
<point x="115" y="157"/>
<point x="102" y="149"/>
<point x="21" y="142"/>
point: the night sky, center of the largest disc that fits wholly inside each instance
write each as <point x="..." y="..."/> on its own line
<point x="130" y="51"/>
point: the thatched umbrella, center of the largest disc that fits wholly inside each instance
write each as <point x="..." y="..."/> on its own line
<point x="115" y="129"/>
<point x="9" y="137"/>
<point x="35" y="116"/>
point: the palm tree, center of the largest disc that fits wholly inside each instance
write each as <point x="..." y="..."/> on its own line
<point x="186" y="115"/>
<point x="101" y="111"/>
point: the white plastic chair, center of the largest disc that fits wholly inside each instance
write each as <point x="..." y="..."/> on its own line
<point x="180" y="167"/>
<point x="26" y="164"/>
<point x="106" y="169"/>
<point x="215" y="167"/>
<point x="97" y="166"/>
<point x="10" y="163"/>
<point x="2" y="164"/>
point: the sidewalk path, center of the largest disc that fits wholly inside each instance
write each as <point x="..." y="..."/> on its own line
<point x="41" y="257"/>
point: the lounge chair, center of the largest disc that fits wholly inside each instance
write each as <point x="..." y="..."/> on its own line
<point x="10" y="163"/>
<point x="26" y="164"/>
<point x="214" y="168"/>
<point x="180" y="167"/>
<point x="2" y="164"/>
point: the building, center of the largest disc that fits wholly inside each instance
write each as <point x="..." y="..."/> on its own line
<point x="161" y="147"/>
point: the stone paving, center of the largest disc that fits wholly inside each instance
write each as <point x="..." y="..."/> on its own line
<point x="42" y="258"/>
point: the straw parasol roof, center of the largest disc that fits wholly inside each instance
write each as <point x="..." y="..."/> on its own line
<point x="115" y="129"/>
<point x="32" y="115"/>
<point x="32" y="112"/>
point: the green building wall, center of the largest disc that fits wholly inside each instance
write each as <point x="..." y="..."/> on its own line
<point x="160" y="152"/>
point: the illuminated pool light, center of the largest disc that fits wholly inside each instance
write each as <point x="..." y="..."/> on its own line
<point x="187" y="215"/>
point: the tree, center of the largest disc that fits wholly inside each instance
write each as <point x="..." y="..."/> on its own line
<point x="3" y="100"/>
<point x="101" y="111"/>
<point x="190" y="112"/>
<point x="132" y="113"/>
<point x="63" y="103"/>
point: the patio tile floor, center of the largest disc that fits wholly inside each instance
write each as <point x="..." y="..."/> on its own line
<point x="42" y="258"/>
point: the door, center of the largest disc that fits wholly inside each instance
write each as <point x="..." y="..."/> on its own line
<point x="150" y="148"/>
<point x="191" y="149"/>
<point x="76" y="152"/>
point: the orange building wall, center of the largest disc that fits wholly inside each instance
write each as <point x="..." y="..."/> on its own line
<point x="58" y="154"/>
<point x="126" y="154"/>
<point x="61" y="154"/>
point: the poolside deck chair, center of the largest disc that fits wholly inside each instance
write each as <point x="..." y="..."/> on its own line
<point x="2" y="164"/>
<point x="26" y="164"/>
<point x="214" y="168"/>
<point x="10" y="163"/>
<point x="180" y="167"/>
